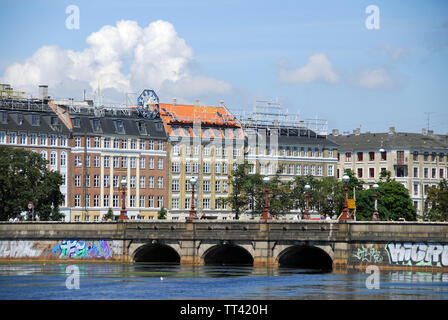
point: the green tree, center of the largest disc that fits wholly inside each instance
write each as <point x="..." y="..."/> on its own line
<point x="394" y="202"/>
<point x="238" y="198"/>
<point x="280" y="195"/>
<point x="162" y="213"/>
<point x="109" y="215"/>
<point x="436" y="203"/>
<point x="24" y="177"/>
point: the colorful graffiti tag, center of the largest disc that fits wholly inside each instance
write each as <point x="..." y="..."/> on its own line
<point x="366" y="254"/>
<point x="78" y="249"/>
<point x="418" y="254"/>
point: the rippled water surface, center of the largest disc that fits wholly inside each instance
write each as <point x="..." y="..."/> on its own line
<point x="133" y="281"/>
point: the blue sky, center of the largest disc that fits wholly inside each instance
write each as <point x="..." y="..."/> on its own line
<point x="315" y="57"/>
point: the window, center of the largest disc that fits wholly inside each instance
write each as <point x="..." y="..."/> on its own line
<point x="205" y="203"/>
<point x="106" y="200"/>
<point x="160" y="163"/>
<point x="383" y="156"/>
<point x="77" y="180"/>
<point x="119" y="126"/>
<point x="142" y="162"/>
<point x="132" y="201"/>
<point x="115" y="200"/>
<point x="151" y="182"/>
<point x="142" y="145"/>
<point x="175" y="203"/>
<point x="218" y="186"/>
<point x="115" y="181"/>
<point x="348" y="156"/>
<point x="195" y="167"/>
<point x="206" y="167"/>
<point x="151" y="201"/>
<point x="96" y="161"/>
<point x="175" y="185"/>
<point x="319" y="170"/>
<point x="415" y="156"/>
<point x="160" y="182"/>
<point x="151" y="144"/>
<point x="87" y="180"/>
<point x="77" y="200"/>
<point x="159" y="201"/>
<point x="96" y="181"/>
<point x="298" y="169"/>
<point x="291" y="169"/>
<point x="106" y="181"/>
<point x="415" y="172"/>
<point x="217" y="168"/>
<point x="22" y="138"/>
<point x="359" y="172"/>
<point x="400" y="157"/>
<point x="77" y="161"/>
<point x="371" y="172"/>
<point x="63" y="159"/>
<point x="116" y="143"/>
<point x="160" y="145"/>
<point x="106" y="161"/>
<point x="132" y="182"/>
<point x="206" y="186"/>
<point x="12" y="138"/>
<point x="35" y="120"/>
<point x="77" y="142"/>
<point x="96" y="200"/>
<point x="151" y="163"/>
<point x="116" y="162"/>
<point x="142" y="202"/>
<point x="33" y="138"/>
<point x="133" y="144"/>
<point x="330" y="170"/>
<point x="187" y="203"/>
<point x="425" y="172"/>
<point x="44" y="154"/>
<point x="441" y="176"/>
<point x="133" y="163"/>
<point x="142" y="182"/>
<point x="305" y="169"/>
<point x="360" y="156"/>
<point x="330" y="153"/>
<point x="371" y="156"/>
<point x="433" y="173"/>
<point x="176" y="150"/>
<point x="88" y="161"/>
<point x="313" y="170"/>
<point x="415" y="189"/>
<point x="53" y="156"/>
<point x="124" y="162"/>
<point x="124" y="144"/>
<point x="87" y="200"/>
<point x="224" y="186"/>
<point x="88" y="142"/>
<point x="175" y="167"/>
<point x="96" y="142"/>
<point x="224" y="168"/>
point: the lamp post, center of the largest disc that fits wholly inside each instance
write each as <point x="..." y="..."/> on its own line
<point x="266" y="215"/>
<point x="375" y="216"/>
<point x="345" y="214"/>
<point x="193" y="181"/>
<point x="123" y="213"/>
<point x="307" y="213"/>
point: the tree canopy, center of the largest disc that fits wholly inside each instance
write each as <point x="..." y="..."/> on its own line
<point x="24" y="178"/>
<point x="436" y="204"/>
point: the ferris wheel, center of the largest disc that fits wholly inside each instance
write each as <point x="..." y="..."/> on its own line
<point x="148" y="104"/>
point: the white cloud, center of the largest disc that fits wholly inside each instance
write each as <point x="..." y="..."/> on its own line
<point x="156" y="57"/>
<point x="374" y="78"/>
<point x="317" y="69"/>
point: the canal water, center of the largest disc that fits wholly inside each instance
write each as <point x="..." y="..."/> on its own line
<point x="145" y="281"/>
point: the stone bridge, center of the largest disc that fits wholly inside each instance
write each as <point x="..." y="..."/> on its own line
<point x="305" y="244"/>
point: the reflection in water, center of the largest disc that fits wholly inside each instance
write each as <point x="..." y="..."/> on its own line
<point x="152" y="281"/>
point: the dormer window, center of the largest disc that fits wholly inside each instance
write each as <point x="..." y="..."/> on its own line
<point x="141" y="127"/>
<point x="119" y="126"/>
<point x="75" y="122"/>
<point x="54" y="121"/>
<point x="19" y="119"/>
<point x="3" y="117"/>
<point x="35" y="120"/>
<point x="96" y="125"/>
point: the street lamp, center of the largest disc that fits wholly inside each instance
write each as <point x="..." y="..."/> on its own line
<point x="375" y="216"/>
<point x="193" y="181"/>
<point x="345" y="214"/>
<point x="307" y="213"/>
<point x="266" y="215"/>
<point x="123" y="213"/>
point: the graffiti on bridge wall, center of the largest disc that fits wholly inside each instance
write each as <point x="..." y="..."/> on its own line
<point x="418" y="254"/>
<point x="64" y="249"/>
<point x="79" y="249"/>
<point x="368" y="254"/>
<point x="19" y="249"/>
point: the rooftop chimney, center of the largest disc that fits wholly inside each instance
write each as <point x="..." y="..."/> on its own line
<point x="175" y="101"/>
<point x="335" y="132"/>
<point x="43" y="92"/>
<point x="391" y="130"/>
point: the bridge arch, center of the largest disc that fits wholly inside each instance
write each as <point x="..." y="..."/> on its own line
<point x="156" y="252"/>
<point x="306" y="257"/>
<point x="227" y="254"/>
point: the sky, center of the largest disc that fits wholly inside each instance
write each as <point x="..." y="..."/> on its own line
<point x="340" y="61"/>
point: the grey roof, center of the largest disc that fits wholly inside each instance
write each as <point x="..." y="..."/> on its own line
<point x="49" y="123"/>
<point x="391" y="141"/>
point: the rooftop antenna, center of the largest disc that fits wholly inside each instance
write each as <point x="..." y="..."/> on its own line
<point x="427" y="120"/>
